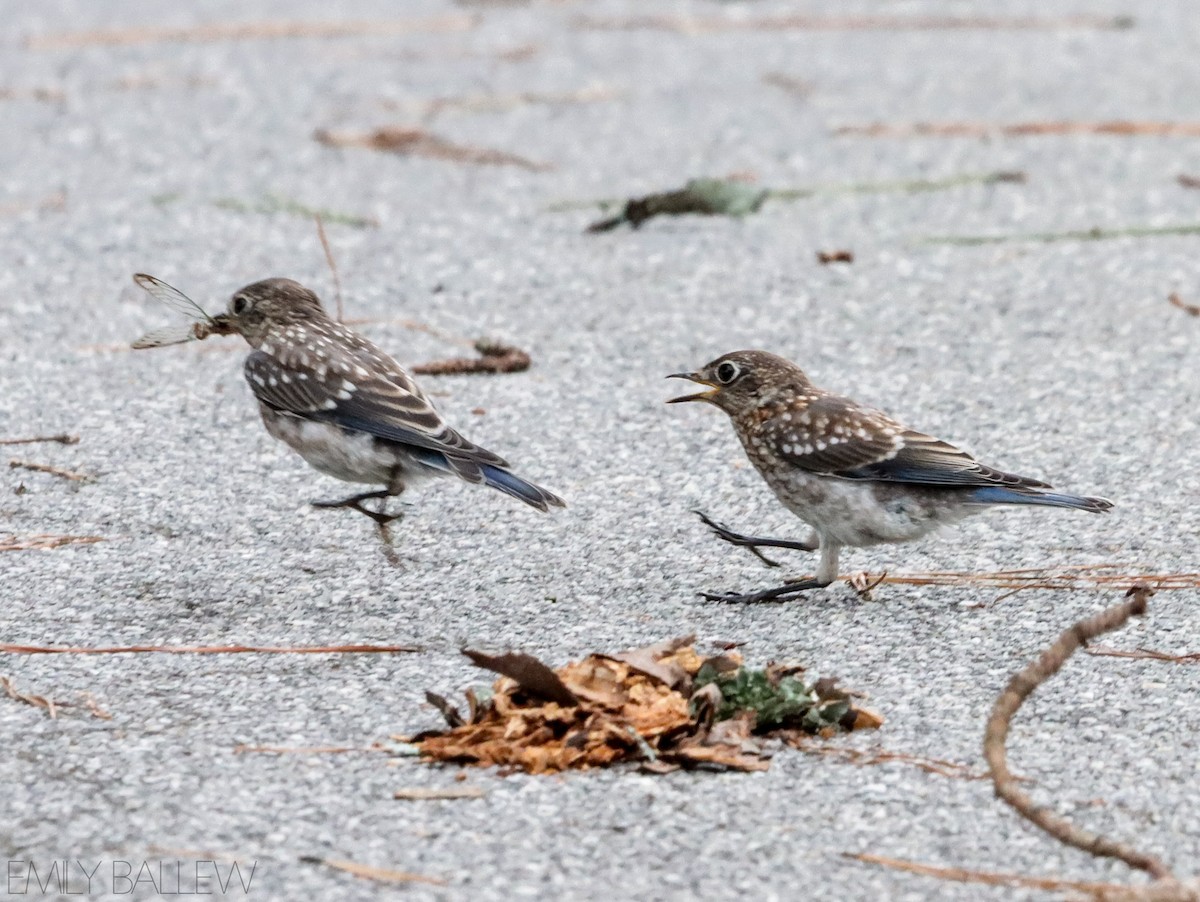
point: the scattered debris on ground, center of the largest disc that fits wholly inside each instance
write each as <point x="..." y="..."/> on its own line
<point x="876" y="756"/>
<point x="270" y="204"/>
<point x="56" y="202"/>
<point x="417" y="142"/>
<point x="1190" y="309"/>
<point x="663" y="706"/>
<point x="332" y="264"/>
<point x="738" y="196"/>
<point x="62" y="439"/>
<point x="51" y="706"/>
<point x="1081" y="576"/>
<point x="1145" y="654"/>
<point x="424" y="794"/>
<point x="70" y="475"/>
<point x="247" y="31"/>
<point x="44" y="542"/>
<point x="1165" y="886"/>
<point x="428" y="110"/>
<point x="41" y="94"/>
<point x="370" y="872"/>
<point x="1119" y="127"/>
<point x="12" y="648"/>
<point x="706" y="196"/>
<point x="693" y="25"/>
<point x="1022" y="686"/>
<point x="1094" y="234"/>
<point x="244" y="749"/>
<point x="790" y="84"/>
<point x="494" y="357"/>
<point x="841" y="256"/>
<point x="987" y="878"/>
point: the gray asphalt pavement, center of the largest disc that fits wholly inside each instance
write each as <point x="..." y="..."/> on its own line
<point x="1059" y="360"/>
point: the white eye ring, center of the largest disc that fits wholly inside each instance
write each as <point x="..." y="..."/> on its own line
<point x="240" y="304"/>
<point x="727" y="372"/>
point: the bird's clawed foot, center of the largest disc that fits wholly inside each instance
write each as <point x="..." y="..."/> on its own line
<point x="355" y="502"/>
<point x="778" y="594"/>
<point x="753" y="543"/>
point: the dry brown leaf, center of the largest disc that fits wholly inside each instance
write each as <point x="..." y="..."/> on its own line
<point x="657" y="661"/>
<point x="528" y="671"/>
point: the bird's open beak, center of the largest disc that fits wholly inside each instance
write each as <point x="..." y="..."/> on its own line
<point x="222" y="324"/>
<point x="698" y="396"/>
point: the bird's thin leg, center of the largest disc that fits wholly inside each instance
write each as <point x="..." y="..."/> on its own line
<point x="826" y="574"/>
<point x="753" y="543"/>
<point x="355" y="502"/>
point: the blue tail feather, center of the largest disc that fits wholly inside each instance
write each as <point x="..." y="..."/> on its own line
<point x="994" y="494"/>
<point x="512" y="484"/>
<point x="497" y="478"/>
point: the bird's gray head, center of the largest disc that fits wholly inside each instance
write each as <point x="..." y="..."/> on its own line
<point x="742" y="380"/>
<point x="256" y="309"/>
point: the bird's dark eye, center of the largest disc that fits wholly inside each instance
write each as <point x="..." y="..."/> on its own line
<point x="240" y="304"/>
<point x="727" y="372"/>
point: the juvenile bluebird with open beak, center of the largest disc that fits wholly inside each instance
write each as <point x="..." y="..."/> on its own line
<point x="853" y="474"/>
<point x="347" y="408"/>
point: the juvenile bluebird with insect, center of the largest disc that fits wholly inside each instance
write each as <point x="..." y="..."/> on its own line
<point x="346" y="407"/>
<point x="854" y="474"/>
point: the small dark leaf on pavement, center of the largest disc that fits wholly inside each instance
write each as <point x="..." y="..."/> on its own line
<point x="532" y="675"/>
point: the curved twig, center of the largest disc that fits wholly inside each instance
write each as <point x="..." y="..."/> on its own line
<point x="1019" y="688"/>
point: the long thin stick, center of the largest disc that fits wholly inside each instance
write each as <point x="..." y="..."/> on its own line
<point x="1096" y="234"/>
<point x="1087" y="576"/>
<point x="46" y="468"/>
<point x="1019" y="688"/>
<point x="1120" y="127"/>
<point x="62" y="439"/>
<point x="206" y="649"/>
<point x="706" y="24"/>
<point x="337" y="282"/>
<point x="243" y="31"/>
<point x="990" y="878"/>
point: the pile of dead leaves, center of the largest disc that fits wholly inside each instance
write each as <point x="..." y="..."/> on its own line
<point x="663" y="706"/>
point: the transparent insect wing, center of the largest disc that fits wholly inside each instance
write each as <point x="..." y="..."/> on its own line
<point x="168" y="335"/>
<point x="172" y="297"/>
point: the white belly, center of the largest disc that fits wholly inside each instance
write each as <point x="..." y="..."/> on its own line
<point x="857" y="513"/>
<point x="349" y="456"/>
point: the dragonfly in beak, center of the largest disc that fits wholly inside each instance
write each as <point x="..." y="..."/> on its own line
<point x="201" y="324"/>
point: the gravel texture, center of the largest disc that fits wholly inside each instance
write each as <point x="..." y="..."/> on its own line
<point x="1060" y="360"/>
